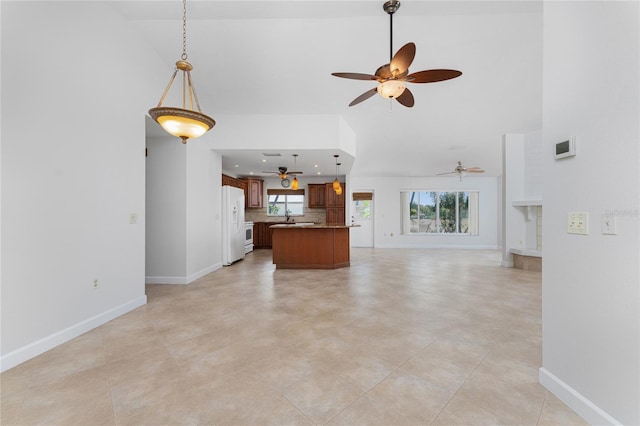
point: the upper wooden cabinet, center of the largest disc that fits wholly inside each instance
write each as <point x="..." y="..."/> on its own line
<point x="254" y="198"/>
<point x="331" y="198"/>
<point x="317" y="196"/>
<point x="335" y="214"/>
<point x="235" y="182"/>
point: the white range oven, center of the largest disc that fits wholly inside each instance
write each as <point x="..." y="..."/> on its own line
<point x="248" y="237"/>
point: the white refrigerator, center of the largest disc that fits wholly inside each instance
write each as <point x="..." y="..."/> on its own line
<point x="232" y="224"/>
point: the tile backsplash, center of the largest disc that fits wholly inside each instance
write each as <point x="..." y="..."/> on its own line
<point x="310" y="215"/>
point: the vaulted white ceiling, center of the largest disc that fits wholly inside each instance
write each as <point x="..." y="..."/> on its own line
<point x="276" y="58"/>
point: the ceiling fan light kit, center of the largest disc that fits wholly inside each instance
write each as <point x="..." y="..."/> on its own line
<point x="185" y="123"/>
<point x="391" y="77"/>
<point x="283" y="173"/>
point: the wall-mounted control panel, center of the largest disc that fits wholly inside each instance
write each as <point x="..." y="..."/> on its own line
<point x="565" y="148"/>
<point x="578" y="223"/>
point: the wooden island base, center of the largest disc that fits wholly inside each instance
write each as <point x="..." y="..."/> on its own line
<point x="310" y="247"/>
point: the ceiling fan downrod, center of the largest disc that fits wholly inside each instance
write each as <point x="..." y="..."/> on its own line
<point x="391" y="7"/>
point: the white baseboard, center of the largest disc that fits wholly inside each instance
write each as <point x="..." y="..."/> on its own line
<point x="203" y="272"/>
<point x="182" y="280"/>
<point x="38" y="347"/>
<point x="436" y="246"/>
<point x="574" y="400"/>
<point x="165" y="280"/>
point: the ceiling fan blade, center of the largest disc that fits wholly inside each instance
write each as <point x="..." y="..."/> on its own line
<point x="354" y="75"/>
<point x="402" y="60"/>
<point x="474" y="170"/>
<point x="277" y="173"/>
<point x="406" y="98"/>
<point x="366" y="95"/>
<point x="447" y="173"/>
<point x="295" y="173"/>
<point x="432" y="76"/>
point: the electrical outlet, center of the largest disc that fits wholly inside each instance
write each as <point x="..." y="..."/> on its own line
<point x="608" y="224"/>
<point x="578" y="223"/>
<point x="96" y="284"/>
<point x="133" y="218"/>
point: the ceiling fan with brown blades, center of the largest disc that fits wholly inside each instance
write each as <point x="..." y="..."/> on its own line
<point x="392" y="76"/>
<point x="460" y="170"/>
<point x="284" y="173"/>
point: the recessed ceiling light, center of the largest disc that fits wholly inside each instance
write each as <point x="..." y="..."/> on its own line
<point x="315" y="165"/>
<point x="236" y="165"/>
<point x="250" y="173"/>
<point x="264" y="160"/>
<point x="318" y="173"/>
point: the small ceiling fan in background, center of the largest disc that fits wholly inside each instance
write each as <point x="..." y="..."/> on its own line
<point x="392" y="76"/>
<point x="283" y="173"/>
<point x="460" y="170"/>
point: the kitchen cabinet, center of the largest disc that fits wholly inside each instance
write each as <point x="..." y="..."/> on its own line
<point x="254" y="198"/>
<point x="317" y="196"/>
<point x="335" y="216"/>
<point x="311" y="247"/>
<point x="235" y="182"/>
<point x="335" y="213"/>
<point x="263" y="234"/>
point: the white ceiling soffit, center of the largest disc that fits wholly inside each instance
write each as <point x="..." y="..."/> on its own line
<point x="276" y="58"/>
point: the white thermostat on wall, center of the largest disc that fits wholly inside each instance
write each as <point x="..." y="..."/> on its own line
<point x="566" y="148"/>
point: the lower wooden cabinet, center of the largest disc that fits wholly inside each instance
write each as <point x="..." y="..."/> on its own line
<point x="263" y="234"/>
<point x="335" y="216"/>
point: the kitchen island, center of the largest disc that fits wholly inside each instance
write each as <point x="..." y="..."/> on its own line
<point x="310" y="246"/>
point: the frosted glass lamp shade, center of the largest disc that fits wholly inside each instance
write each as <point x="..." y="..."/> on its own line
<point x="391" y="89"/>
<point x="183" y="123"/>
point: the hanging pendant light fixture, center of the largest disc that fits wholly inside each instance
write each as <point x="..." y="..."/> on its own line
<point x="336" y="183"/>
<point x="294" y="182"/>
<point x="183" y="122"/>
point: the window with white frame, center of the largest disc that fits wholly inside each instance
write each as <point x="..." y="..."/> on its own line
<point x="440" y="212"/>
<point x="283" y="202"/>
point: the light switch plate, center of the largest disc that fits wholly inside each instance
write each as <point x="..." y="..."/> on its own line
<point x="608" y="224"/>
<point x="578" y="223"/>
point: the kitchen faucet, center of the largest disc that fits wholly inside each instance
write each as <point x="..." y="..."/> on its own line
<point x="286" y="214"/>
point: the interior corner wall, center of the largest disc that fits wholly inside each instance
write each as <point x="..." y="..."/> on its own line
<point x="72" y="171"/>
<point x="166" y="206"/>
<point x="513" y="224"/>
<point x="183" y="226"/>
<point x="204" y="208"/>
<point x="591" y="283"/>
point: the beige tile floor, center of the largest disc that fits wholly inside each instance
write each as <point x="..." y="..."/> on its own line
<point x="402" y="337"/>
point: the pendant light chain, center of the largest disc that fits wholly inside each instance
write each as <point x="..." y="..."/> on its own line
<point x="184" y="30"/>
<point x="185" y="122"/>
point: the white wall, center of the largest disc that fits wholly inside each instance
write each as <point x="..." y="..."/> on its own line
<point x="203" y="202"/>
<point x="166" y="201"/>
<point x="73" y="135"/>
<point x="388" y="217"/>
<point x="591" y="284"/>
<point x="299" y="132"/>
<point x="184" y="230"/>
